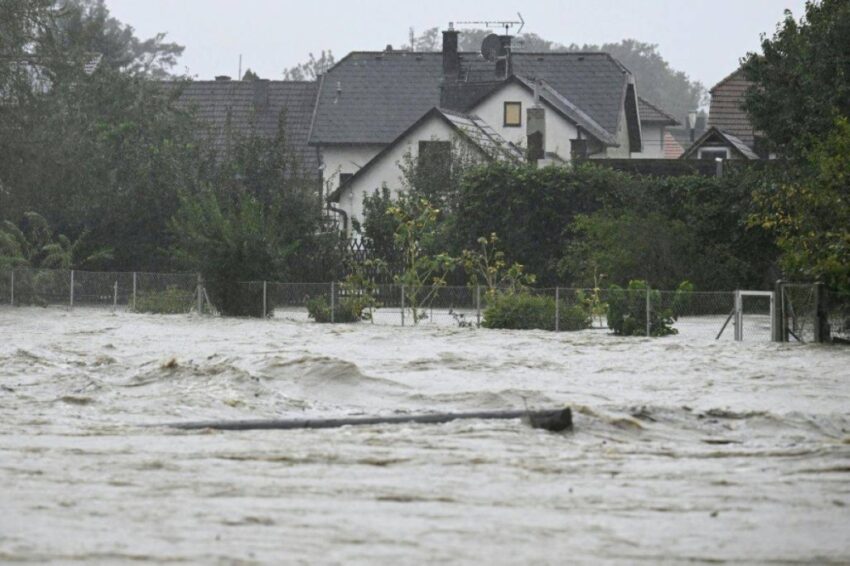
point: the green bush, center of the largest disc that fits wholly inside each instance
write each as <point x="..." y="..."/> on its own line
<point x="171" y="301"/>
<point x="523" y="311"/>
<point x="627" y="312"/>
<point x="346" y="310"/>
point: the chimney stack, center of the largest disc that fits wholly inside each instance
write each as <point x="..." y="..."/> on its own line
<point x="504" y="66"/>
<point x="535" y="124"/>
<point x="451" y="58"/>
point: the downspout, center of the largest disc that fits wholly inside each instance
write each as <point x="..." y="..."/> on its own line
<point x="328" y="204"/>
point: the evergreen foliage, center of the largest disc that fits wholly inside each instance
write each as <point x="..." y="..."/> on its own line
<point x="526" y="311"/>
<point x="627" y="314"/>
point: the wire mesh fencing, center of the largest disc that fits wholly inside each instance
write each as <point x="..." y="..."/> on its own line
<point x="135" y="291"/>
<point x="634" y="311"/>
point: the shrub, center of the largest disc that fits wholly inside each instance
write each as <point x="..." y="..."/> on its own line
<point x="683" y="299"/>
<point x="627" y="312"/>
<point x="524" y="311"/>
<point x="171" y="301"/>
<point x="348" y="309"/>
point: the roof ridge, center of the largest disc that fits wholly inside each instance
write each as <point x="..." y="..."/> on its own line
<point x="232" y="82"/>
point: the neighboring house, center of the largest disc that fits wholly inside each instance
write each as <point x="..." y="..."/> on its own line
<point x="718" y="144"/>
<point x="731" y="134"/>
<point x="655" y="125"/>
<point x="231" y="109"/>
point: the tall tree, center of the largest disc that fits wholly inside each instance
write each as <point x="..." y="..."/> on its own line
<point x="310" y="69"/>
<point x="802" y="78"/>
<point x="88" y="139"/>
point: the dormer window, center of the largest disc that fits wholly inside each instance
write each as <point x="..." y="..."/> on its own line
<point x="513" y="114"/>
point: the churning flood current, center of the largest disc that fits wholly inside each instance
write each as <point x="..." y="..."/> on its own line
<point x="683" y="449"/>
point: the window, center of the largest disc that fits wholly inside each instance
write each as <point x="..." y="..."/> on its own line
<point x="714" y="153"/>
<point x="513" y="114"/>
<point x="344" y="177"/>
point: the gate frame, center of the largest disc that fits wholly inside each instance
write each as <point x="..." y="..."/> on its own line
<point x="739" y="312"/>
<point x="820" y="325"/>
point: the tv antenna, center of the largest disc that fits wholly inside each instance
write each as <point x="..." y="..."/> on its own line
<point x="507" y="24"/>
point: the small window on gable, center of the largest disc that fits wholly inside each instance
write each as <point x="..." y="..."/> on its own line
<point x="344" y="177"/>
<point x="513" y="114"/>
<point x="711" y="154"/>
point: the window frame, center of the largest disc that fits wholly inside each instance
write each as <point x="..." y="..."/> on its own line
<point x="508" y="103"/>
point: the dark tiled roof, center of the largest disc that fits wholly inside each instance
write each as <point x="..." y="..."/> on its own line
<point x="594" y="82"/>
<point x="239" y="108"/>
<point x="726" y="112"/>
<point x="371" y="97"/>
<point x="651" y="114"/>
<point x="574" y="113"/>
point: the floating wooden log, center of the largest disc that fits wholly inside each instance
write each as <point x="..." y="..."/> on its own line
<point x="553" y="420"/>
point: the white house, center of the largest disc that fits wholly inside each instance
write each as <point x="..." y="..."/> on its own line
<point x="353" y="125"/>
<point x="439" y="131"/>
<point x="555" y="106"/>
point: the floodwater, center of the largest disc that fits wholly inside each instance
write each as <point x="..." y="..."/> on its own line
<point x="684" y="449"/>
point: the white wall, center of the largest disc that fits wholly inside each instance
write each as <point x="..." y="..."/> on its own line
<point x="622" y="138"/>
<point x="559" y="131"/>
<point x="653" y="142"/>
<point x="386" y="171"/>
<point x="345" y="159"/>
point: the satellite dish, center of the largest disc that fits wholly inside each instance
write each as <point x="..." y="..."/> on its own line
<point x="491" y="46"/>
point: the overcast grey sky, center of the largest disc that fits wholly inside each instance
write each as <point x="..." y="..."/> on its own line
<point x="704" y="38"/>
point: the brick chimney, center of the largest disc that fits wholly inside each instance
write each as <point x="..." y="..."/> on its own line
<point x="451" y="58"/>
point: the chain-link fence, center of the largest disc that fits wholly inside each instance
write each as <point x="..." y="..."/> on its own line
<point x="135" y="291"/>
<point x="637" y="311"/>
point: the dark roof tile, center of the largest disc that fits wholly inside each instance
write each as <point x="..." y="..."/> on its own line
<point x="254" y="108"/>
<point x="371" y="98"/>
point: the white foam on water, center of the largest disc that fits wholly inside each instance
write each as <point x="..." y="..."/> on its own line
<point x="685" y="448"/>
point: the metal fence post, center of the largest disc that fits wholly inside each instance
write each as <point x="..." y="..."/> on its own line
<point x="72" y="289"/>
<point x="821" y="317"/>
<point x="200" y="293"/>
<point x="12" y="289"/>
<point x="134" y="291"/>
<point x="265" y="300"/>
<point x="333" y="301"/>
<point x="402" y="305"/>
<point x="739" y="317"/>
<point x="557" y="309"/>
<point x="478" y="305"/>
<point x="648" y="312"/>
<point x="779" y="323"/>
<point x="115" y="297"/>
